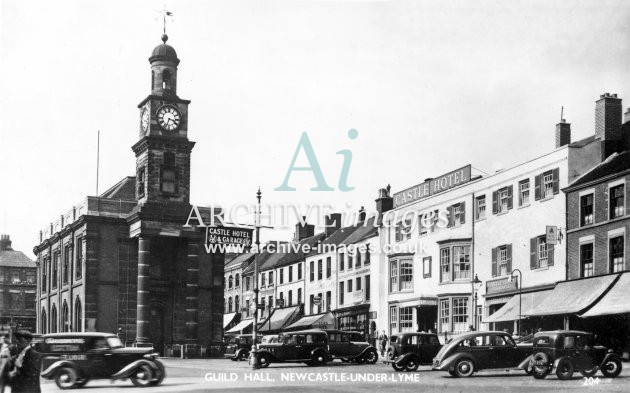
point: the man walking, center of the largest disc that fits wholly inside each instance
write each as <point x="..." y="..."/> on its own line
<point x="25" y="374"/>
<point x="5" y="362"/>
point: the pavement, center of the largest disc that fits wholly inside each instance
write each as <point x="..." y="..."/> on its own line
<point x="217" y="375"/>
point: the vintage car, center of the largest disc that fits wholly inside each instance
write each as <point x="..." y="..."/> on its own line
<point x="410" y="350"/>
<point x="350" y="346"/>
<point x="308" y="346"/>
<point x="565" y="351"/>
<point x="474" y="351"/>
<point x="72" y="359"/>
<point x="238" y="347"/>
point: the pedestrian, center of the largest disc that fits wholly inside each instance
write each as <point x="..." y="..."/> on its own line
<point x="471" y="328"/>
<point x="25" y="373"/>
<point x="383" y="339"/>
<point x="5" y="362"/>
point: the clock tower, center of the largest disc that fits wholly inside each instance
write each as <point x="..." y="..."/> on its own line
<point x="163" y="151"/>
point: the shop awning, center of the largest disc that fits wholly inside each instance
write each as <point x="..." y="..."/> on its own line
<point x="278" y="319"/>
<point x="228" y="318"/>
<point x="319" y="321"/>
<point x="242" y="325"/>
<point x="509" y="311"/>
<point x="615" y="301"/>
<point x="571" y="297"/>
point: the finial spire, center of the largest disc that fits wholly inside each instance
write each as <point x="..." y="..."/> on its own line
<point x="165" y="13"/>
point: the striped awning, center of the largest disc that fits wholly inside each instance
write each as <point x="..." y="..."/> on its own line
<point x="615" y="301"/>
<point x="572" y="297"/>
<point x="510" y="311"/>
<point x="242" y="325"/>
<point x="228" y="318"/>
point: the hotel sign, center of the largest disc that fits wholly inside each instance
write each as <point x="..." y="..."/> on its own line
<point x="229" y="236"/>
<point x="500" y="286"/>
<point x="432" y="187"/>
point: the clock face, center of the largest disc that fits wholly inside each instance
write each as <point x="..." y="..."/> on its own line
<point x="144" y="119"/>
<point x="169" y="118"/>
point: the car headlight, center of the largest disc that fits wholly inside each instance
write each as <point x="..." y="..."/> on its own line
<point x="151" y="355"/>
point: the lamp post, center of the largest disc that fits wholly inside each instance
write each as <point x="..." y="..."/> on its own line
<point x="473" y="286"/>
<point x="254" y="351"/>
<point x="520" y="289"/>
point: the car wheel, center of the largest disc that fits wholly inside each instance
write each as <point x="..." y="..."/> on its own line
<point x="589" y="372"/>
<point x="564" y="370"/>
<point x="142" y="376"/>
<point x="398" y="368"/>
<point x="66" y="378"/>
<point x="412" y="364"/>
<point x="360" y="360"/>
<point x="371" y="357"/>
<point x="318" y="359"/>
<point x="611" y="368"/>
<point x="82" y="382"/>
<point x="244" y="356"/>
<point x="263" y="361"/>
<point x="162" y="374"/>
<point x="540" y="365"/>
<point x="464" y="368"/>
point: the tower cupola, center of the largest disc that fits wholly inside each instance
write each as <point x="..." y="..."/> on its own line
<point x="164" y="64"/>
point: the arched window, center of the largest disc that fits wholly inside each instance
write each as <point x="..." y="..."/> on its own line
<point x="237" y="305"/>
<point x="152" y="79"/>
<point x="166" y="79"/>
<point x="65" y="314"/>
<point x="230" y="304"/>
<point x="230" y="282"/>
<point x="78" y="316"/>
<point x="237" y="281"/>
<point x="53" y="319"/>
<point x="44" y="320"/>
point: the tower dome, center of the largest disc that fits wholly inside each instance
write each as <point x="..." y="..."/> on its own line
<point x="164" y="52"/>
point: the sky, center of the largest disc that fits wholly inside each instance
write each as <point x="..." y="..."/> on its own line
<point x="429" y="87"/>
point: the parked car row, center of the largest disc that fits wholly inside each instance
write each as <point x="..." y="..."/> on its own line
<point x="561" y="352"/>
<point x="313" y="347"/>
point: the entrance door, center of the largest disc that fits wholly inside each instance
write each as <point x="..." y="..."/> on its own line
<point x="156" y="324"/>
<point x="426" y="318"/>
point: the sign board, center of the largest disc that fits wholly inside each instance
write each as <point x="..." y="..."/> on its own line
<point x="552" y="234"/>
<point x="229" y="236"/>
<point x="357" y="296"/>
<point x="502" y="285"/>
<point x="432" y="187"/>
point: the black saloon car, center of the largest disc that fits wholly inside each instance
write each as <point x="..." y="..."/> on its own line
<point x="308" y="346"/>
<point x="72" y="359"/>
<point x="565" y="351"/>
<point x="410" y="350"/>
<point x="351" y="346"/>
<point x="238" y="347"/>
<point x="476" y="351"/>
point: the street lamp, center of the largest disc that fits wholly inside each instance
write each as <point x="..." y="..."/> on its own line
<point x="474" y="285"/>
<point x="520" y="289"/>
<point x="254" y="351"/>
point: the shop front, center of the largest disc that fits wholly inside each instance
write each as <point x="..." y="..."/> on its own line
<point x="355" y="318"/>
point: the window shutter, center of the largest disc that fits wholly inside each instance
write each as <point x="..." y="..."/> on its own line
<point x="510" y="190"/>
<point x="556" y="180"/>
<point x="451" y="217"/>
<point x="462" y="216"/>
<point x="537" y="187"/>
<point x="509" y="258"/>
<point x="550" y="249"/>
<point x="494" y="262"/>
<point x="533" y="248"/>
<point x="495" y="204"/>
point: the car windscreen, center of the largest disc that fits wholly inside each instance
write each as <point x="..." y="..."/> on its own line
<point x="114" y="342"/>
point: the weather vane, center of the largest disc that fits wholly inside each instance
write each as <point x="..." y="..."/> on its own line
<point x="165" y="13"/>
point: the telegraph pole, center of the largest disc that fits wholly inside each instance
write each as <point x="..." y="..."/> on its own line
<point x="254" y="351"/>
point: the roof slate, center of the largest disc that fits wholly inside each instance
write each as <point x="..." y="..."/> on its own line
<point x="12" y="258"/>
<point x="616" y="163"/>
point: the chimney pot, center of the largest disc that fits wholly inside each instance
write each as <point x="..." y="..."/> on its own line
<point x="608" y="120"/>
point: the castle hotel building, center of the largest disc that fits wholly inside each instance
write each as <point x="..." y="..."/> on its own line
<point x="121" y="261"/>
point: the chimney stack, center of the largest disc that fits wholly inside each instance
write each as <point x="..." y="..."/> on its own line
<point x="333" y="222"/>
<point x="362" y="214"/>
<point x="563" y="133"/>
<point x="608" y="111"/>
<point x="304" y="231"/>
<point x="5" y="243"/>
<point x="384" y="203"/>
